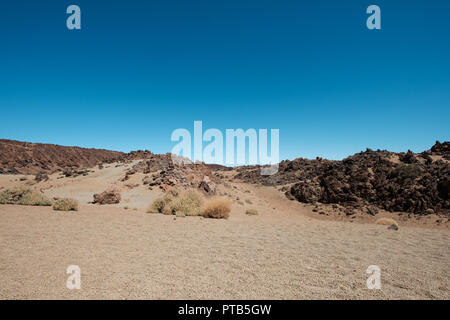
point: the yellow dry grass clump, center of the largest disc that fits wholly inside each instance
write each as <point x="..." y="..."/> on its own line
<point x="188" y="203"/>
<point x="217" y="208"/>
<point x="24" y="196"/>
<point x="66" y="204"/>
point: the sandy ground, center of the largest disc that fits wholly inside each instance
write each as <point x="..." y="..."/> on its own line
<point x="285" y="252"/>
<point x="126" y="254"/>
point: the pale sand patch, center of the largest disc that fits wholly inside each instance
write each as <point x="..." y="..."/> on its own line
<point x="127" y="254"/>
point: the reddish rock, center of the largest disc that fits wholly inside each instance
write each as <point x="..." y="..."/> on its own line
<point x="110" y="196"/>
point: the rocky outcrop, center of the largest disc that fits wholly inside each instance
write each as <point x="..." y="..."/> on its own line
<point x="407" y="182"/>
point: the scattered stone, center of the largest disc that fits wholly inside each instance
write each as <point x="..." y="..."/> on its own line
<point x="41" y="176"/>
<point x="393" y="227"/>
<point x="207" y="188"/>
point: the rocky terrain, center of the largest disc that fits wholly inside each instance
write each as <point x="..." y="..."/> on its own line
<point x="405" y="182"/>
<point x="365" y="182"/>
<point x="160" y="171"/>
<point x="316" y="246"/>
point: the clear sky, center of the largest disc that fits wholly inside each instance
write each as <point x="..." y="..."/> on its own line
<point x="137" y="70"/>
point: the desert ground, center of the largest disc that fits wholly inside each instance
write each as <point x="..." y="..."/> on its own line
<point x="287" y="251"/>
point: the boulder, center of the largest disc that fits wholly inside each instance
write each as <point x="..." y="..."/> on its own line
<point x="110" y="196"/>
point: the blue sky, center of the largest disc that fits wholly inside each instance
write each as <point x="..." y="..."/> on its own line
<point x="140" y="69"/>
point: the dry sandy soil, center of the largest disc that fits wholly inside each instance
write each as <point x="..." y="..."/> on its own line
<point x="285" y="252"/>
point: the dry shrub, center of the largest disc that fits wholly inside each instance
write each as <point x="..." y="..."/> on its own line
<point x="387" y="222"/>
<point x="172" y="193"/>
<point x="252" y="212"/>
<point x="217" y="208"/>
<point x="66" y="204"/>
<point x="189" y="204"/>
<point x="164" y="204"/>
<point x="169" y="200"/>
<point x="173" y="202"/>
<point x="157" y="206"/>
<point x="24" y="196"/>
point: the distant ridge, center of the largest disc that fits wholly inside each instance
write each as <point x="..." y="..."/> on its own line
<point x="33" y="158"/>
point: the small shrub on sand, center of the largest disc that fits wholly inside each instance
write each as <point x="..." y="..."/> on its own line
<point x="164" y="204"/>
<point x="217" y="208"/>
<point x="189" y="204"/>
<point x="252" y="212"/>
<point x="386" y="222"/>
<point x="24" y="196"/>
<point x="66" y="204"/>
<point x="241" y="203"/>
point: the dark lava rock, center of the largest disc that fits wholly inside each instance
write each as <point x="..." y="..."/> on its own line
<point x="404" y="182"/>
<point x="393" y="227"/>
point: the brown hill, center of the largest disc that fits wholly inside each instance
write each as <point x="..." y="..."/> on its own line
<point x="33" y="158"/>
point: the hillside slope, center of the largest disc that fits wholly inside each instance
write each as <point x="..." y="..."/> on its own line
<point x="33" y="158"/>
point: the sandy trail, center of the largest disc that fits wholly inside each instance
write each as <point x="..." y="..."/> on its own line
<point x="127" y="254"/>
